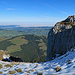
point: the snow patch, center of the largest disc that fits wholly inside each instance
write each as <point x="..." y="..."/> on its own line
<point x="6" y="56"/>
<point x="46" y="68"/>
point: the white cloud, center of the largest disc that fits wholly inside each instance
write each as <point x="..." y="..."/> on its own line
<point x="10" y="9"/>
<point x="64" y="12"/>
<point x="54" y="8"/>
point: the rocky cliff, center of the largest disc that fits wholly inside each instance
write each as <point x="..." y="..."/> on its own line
<point x="61" y="37"/>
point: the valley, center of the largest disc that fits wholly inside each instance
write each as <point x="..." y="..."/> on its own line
<point x="28" y="47"/>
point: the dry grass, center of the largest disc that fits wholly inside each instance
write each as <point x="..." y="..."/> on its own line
<point x="28" y="71"/>
<point x="54" y="74"/>
<point x="66" y="23"/>
<point x="39" y="73"/>
<point x="58" y="69"/>
<point x="1" y="54"/>
<point x="1" y="72"/>
<point x="32" y="70"/>
<point x="19" y="70"/>
<point x="36" y="64"/>
<point x="8" y="65"/>
<point x="1" y="66"/>
<point x="69" y="61"/>
<point x="15" y="63"/>
<point x="12" y="72"/>
<point x="35" y="70"/>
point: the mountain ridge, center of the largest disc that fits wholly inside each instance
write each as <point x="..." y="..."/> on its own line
<point x="61" y="37"/>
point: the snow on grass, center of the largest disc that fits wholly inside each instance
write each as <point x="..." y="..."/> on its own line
<point x="46" y="68"/>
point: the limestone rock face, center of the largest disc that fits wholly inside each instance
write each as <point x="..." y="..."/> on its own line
<point x="61" y="37"/>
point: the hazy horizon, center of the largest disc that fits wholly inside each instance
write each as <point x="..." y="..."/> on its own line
<point x="29" y="24"/>
<point x="24" y="12"/>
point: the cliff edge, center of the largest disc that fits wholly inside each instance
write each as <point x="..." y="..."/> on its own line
<point x="61" y="37"/>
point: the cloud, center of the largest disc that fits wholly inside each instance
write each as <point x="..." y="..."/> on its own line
<point x="10" y="9"/>
<point x="64" y="12"/>
<point x="51" y="7"/>
<point x="47" y="5"/>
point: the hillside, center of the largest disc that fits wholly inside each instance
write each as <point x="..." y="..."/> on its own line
<point x="30" y="48"/>
<point x="63" y="65"/>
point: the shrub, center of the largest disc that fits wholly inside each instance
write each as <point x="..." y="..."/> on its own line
<point x="58" y="69"/>
<point x="12" y="72"/>
<point x="19" y="70"/>
<point x="39" y="73"/>
<point x="1" y="66"/>
<point x="8" y="65"/>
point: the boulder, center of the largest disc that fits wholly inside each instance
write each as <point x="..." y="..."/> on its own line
<point x="11" y="59"/>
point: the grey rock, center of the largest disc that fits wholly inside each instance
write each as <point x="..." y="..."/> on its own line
<point x="61" y="38"/>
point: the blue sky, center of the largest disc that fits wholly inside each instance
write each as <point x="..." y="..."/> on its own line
<point x="35" y="12"/>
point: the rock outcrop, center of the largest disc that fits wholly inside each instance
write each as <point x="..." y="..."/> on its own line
<point x="61" y="37"/>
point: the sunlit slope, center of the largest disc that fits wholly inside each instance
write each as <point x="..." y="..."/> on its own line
<point x="29" y="48"/>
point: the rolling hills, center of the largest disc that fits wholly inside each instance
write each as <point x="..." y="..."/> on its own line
<point x="13" y="30"/>
<point x="28" y="43"/>
<point x="30" y="48"/>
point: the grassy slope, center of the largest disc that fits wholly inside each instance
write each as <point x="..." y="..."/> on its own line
<point x="30" y="48"/>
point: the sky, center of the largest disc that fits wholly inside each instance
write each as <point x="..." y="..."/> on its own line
<point x="35" y="12"/>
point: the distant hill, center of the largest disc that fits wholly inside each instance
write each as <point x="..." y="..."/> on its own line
<point x="34" y="30"/>
<point x="15" y="30"/>
<point x="30" y="48"/>
<point x="9" y="26"/>
<point x="9" y="33"/>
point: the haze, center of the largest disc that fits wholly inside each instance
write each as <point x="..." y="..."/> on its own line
<point x="35" y="12"/>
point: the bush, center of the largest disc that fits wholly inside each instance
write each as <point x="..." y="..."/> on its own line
<point x="12" y="72"/>
<point x="19" y="70"/>
<point x="8" y="65"/>
<point x="58" y="69"/>
<point x="39" y="73"/>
